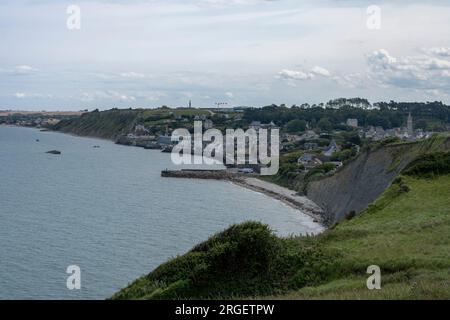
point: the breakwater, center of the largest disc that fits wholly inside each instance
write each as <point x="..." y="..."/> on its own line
<point x="201" y="174"/>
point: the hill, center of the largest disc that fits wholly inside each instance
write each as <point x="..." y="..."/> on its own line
<point x="105" y="124"/>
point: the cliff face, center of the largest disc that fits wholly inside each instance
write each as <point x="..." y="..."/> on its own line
<point x="363" y="180"/>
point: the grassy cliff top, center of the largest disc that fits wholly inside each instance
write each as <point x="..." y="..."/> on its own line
<point x="406" y="232"/>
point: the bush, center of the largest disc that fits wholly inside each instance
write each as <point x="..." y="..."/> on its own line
<point x="343" y="155"/>
<point x="296" y="126"/>
<point x="429" y="165"/>
<point x="252" y="245"/>
<point x="350" y="215"/>
<point x="244" y="260"/>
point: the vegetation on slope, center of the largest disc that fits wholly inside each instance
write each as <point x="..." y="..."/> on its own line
<point x="105" y="124"/>
<point x="406" y="232"/>
<point x="429" y="165"/>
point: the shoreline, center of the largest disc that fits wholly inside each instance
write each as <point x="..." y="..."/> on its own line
<point x="289" y="197"/>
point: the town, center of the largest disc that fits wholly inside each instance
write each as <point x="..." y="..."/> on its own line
<point x="314" y="139"/>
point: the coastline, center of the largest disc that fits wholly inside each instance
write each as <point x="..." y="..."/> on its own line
<point x="285" y="195"/>
<point x="289" y="197"/>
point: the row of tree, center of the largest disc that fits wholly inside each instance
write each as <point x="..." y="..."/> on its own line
<point x="428" y="116"/>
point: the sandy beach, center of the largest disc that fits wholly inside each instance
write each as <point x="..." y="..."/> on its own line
<point x="285" y="195"/>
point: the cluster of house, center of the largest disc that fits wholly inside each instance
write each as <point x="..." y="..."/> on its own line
<point x="38" y="122"/>
<point x="207" y="123"/>
<point x="307" y="136"/>
<point x="407" y="133"/>
<point x="142" y="136"/>
<point x="312" y="160"/>
<point x="256" y="125"/>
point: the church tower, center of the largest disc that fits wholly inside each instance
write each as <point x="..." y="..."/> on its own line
<point x="410" y="125"/>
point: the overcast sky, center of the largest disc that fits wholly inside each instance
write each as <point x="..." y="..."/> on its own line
<point x="138" y="53"/>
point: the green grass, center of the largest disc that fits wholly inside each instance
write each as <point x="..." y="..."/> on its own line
<point x="105" y="124"/>
<point x="186" y="112"/>
<point x="407" y="234"/>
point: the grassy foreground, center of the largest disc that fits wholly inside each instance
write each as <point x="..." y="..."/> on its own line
<point x="406" y="232"/>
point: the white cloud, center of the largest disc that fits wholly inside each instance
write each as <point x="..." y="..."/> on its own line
<point x="229" y="95"/>
<point x="288" y="74"/>
<point x="135" y="75"/>
<point x="106" y="95"/>
<point x="295" y="75"/>
<point x="439" y="51"/>
<point x="19" y="70"/>
<point x="381" y="59"/>
<point x="321" y="71"/>
<point x="413" y="72"/>
<point x="22" y="95"/>
<point x="437" y="64"/>
<point x="25" y="69"/>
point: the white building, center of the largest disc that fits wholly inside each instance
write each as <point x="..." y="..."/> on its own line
<point x="352" y="123"/>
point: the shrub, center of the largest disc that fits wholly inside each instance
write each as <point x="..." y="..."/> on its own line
<point x="342" y="155"/>
<point x="247" y="249"/>
<point x="350" y="215"/>
<point x="244" y="260"/>
<point x="429" y="165"/>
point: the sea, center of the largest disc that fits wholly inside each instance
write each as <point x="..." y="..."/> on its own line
<point x="105" y="209"/>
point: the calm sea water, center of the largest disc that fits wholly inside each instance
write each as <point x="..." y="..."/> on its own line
<point x="108" y="211"/>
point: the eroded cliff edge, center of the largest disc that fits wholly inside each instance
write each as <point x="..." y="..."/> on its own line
<point x="362" y="181"/>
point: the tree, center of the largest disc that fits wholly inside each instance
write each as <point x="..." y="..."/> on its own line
<point x="421" y="124"/>
<point x="296" y="125"/>
<point x="324" y="124"/>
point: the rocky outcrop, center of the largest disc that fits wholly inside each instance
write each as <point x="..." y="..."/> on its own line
<point x="363" y="180"/>
<point x="54" y="152"/>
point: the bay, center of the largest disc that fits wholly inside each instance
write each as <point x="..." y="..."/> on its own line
<point x="108" y="211"/>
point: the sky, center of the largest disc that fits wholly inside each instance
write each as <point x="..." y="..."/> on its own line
<point x="149" y="53"/>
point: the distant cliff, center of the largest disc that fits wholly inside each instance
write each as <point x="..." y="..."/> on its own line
<point x="364" y="179"/>
<point x="106" y="124"/>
